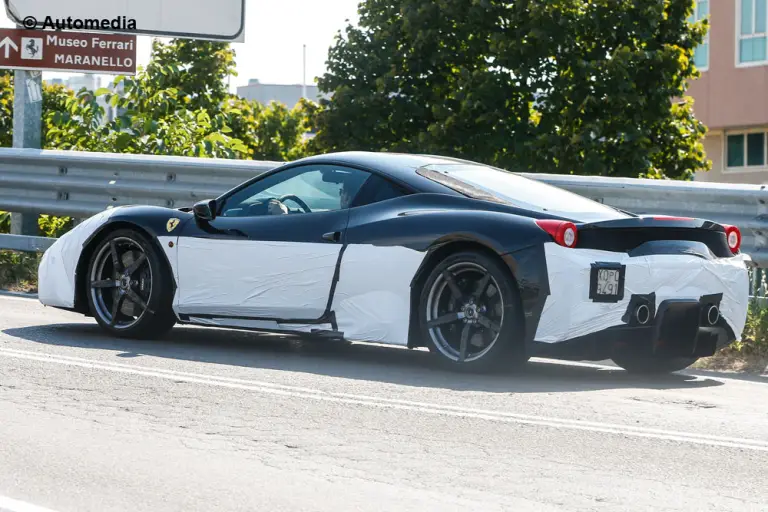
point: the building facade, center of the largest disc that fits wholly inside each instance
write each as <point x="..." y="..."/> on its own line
<point x="730" y="97"/>
<point x="288" y="94"/>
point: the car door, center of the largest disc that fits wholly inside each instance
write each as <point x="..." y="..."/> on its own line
<point x="250" y="264"/>
<point x="372" y="299"/>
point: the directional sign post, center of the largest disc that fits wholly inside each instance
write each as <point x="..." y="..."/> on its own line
<point x="68" y="51"/>
<point x="27" y="120"/>
<point x="31" y="51"/>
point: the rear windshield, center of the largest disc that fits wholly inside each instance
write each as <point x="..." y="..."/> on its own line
<point x="492" y="184"/>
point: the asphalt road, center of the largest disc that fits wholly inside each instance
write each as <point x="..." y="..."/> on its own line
<point x="221" y="420"/>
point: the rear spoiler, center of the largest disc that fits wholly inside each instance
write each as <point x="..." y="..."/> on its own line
<point x="654" y="221"/>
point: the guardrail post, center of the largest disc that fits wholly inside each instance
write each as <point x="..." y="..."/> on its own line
<point x="24" y="224"/>
<point x="27" y="126"/>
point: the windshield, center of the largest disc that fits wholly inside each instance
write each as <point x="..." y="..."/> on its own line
<point x="492" y="184"/>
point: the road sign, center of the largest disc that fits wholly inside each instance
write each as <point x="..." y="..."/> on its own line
<point x="68" y="51"/>
<point x="218" y="20"/>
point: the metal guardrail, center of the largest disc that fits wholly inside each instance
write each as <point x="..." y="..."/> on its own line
<point x="26" y="243"/>
<point x="80" y="184"/>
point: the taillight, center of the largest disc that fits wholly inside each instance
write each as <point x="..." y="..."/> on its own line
<point x="733" y="235"/>
<point x="667" y="217"/>
<point x="564" y="232"/>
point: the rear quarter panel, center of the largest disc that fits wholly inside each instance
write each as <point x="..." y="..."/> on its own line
<point x="391" y="247"/>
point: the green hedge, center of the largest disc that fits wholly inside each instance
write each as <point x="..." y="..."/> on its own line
<point x="755" y="335"/>
<point x="19" y="270"/>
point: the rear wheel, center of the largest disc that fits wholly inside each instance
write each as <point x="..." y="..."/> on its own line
<point x="648" y="364"/>
<point x="129" y="287"/>
<point x="470" y="314"/>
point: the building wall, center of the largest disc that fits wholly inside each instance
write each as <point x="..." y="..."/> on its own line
<point x="715" y="147"/>
<point x="287" y="94"/>
<point x="730" y="97"/>
<point x="728" y="93"/>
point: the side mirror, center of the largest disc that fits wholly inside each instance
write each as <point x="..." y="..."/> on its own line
<point x="205" y="210"/>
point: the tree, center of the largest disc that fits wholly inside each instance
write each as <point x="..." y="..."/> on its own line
<point x="566" y="86"/>
<point x="173" y="107"/>
<point x="198" y="70"/>
<point x="270" y="132"/>
<point x="6" y="110"/>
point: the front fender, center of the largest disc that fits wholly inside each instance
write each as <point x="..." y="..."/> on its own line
<point x="56" y="275"/>
<point x="154" y="220"/>
<point x="67" y="259"/>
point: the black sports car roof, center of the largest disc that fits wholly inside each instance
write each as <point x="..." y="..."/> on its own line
<point x="401" y="166"/>
<point x="517" y="191"/>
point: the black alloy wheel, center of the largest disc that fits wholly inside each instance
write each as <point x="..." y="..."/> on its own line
<point x="129" y="287"/>
<point x="470" y="313"/>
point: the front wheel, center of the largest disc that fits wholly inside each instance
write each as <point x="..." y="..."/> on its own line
<point x="470" y="314"/>
<point x="129" y="287"/>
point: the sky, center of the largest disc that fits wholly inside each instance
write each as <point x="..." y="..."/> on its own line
<point x="275" y="31"/>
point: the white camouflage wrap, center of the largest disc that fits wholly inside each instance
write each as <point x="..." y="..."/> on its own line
<point x="56" y="274"/>
<point x="570" y="313"/>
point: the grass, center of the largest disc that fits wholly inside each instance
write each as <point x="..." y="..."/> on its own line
<point x="731" y="360"/>
<point x="748" y="355"/>
<point x="18" y="271"/>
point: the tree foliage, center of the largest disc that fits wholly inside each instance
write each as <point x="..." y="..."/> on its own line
<point x="159" y="112"/>
<point x="567" y="86"/>
<point x="270" y="132"/>
<point x="179" y="105"/>
<point x="6" y="110"/>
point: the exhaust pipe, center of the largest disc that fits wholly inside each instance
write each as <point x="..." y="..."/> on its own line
<point x="642" y="314"/>
<point x="713" y="315"/>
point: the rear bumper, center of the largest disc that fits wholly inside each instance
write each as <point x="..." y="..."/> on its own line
<point x="667" y="283"/>
<point x="680" y="328"/>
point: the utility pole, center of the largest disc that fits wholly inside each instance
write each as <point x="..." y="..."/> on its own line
<point x="304" y="73"/>
<point x="27" y="131"/>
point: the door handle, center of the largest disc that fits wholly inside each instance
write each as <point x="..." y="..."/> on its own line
<point x="333" y="236"/>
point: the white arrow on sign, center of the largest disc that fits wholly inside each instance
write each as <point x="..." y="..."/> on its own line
<point x="7" y="43"/>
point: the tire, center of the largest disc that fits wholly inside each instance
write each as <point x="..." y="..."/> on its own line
<point x="647" y="364"/>
<point x="144" y="301"/>
<point x="489" y="320"/>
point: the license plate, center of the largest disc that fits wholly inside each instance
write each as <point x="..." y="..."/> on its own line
<point x="606" y="282"/>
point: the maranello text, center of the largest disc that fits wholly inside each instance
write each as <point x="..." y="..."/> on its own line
<point x="54" y="41"/>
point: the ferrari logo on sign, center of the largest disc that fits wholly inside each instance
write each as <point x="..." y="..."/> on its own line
<point x="171" y="225"/>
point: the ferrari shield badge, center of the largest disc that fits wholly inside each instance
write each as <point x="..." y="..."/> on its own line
<point x="171" y="225"/>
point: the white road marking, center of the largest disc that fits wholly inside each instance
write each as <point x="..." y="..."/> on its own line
<point x="11" y="505"/>
<point x="17" y="296"/>
<point x="372" y="401"/>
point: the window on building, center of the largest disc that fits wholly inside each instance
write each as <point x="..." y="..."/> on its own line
<point x="746" y="150"/>
<point x="753" y="40"/>
<point x="756" y="149"/>
<point x="701" y="53"/>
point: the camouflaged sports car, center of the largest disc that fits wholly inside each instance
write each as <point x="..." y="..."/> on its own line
<point x="484" y="267"/>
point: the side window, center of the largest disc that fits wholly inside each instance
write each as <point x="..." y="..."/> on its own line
<point x="378" y="189"/>
<point x="299" y="190"/>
